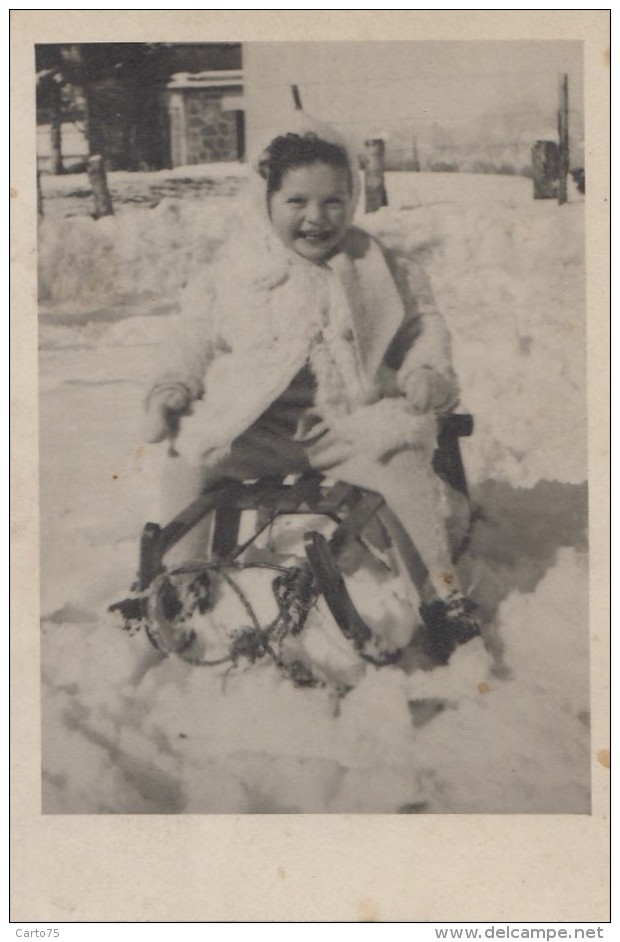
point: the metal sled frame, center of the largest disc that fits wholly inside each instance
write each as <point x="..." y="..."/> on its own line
<point x="350" y="507"/>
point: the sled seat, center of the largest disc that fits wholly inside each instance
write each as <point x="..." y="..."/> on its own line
<point x="349" y="506"/>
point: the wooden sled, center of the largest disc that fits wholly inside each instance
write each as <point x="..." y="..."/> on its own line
<point x="351" y="508"/>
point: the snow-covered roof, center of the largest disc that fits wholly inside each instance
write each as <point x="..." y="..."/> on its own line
<point x="209" y="79"/>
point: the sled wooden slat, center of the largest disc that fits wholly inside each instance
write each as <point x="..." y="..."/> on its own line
<point x="277" y="497"/>
<point x="188" y="518"/>
<point x="447" y="460"/>
<point x="226" y="530"/>
<point x="454" y="425"/>
<point x="150" y="555"/>
<point x="365" y="508"/>
<point x="335" y="497"/>
<point x="332" y="585"/>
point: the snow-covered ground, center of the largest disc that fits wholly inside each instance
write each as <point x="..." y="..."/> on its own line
<point x="127" y="732"/>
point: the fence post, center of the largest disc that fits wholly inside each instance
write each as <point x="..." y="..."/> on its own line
<point x="545" y="169"/>
<point x="99" y="184"/>
<point x="39" y="196"/>
<point x="374" y="175"/>
<point x="415" y="157"/>
<point x="296" y="98"/>
<point x="563" y="138"/>
<point x="56" y="129"/>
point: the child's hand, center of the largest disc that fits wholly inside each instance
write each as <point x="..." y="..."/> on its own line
<point x="370" y="433"/>
<point x="428" y="391"/>
<point x="327" y="447"/>
<point x="163" y="411"/>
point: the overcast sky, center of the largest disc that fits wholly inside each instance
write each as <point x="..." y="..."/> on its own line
<point x="366" y="87"/>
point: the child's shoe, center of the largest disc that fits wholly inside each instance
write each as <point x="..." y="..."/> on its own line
<point x="448" y="623"/>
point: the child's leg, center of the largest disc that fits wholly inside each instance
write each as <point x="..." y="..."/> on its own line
<point x="416" y="513"/>
<point x="180" y="485"/>
<point x="416" y="502"/>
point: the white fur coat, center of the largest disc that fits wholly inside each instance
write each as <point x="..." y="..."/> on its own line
<point x="364" y="321"/>
<point x="247" y="326"/>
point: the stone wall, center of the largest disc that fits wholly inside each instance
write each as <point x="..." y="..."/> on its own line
<point x="201" y="130"/>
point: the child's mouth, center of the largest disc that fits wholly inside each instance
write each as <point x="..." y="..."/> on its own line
<point x="315" y="236"/>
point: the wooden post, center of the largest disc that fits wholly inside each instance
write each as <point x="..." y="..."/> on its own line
<point x="563" y="142"/>
<point x="545" y="169"/>
<point x="296" y="97"/>
<point x="99" y="184"/>
<point x="56" y="144"/>
<point x="415" y="159"/>
<point x="56" y="130"/>
<point x="374" y="179"/>
<point x="39" y="196"/>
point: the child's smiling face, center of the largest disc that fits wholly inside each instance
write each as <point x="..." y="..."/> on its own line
<point x="310" y="211"/>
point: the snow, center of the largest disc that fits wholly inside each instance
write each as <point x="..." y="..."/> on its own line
<point x="495" y="731"/>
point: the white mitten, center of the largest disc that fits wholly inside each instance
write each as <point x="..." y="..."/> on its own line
<point x="428" y="391"/>
<point x="164" y="408"/>
<point x="373" y="432"/>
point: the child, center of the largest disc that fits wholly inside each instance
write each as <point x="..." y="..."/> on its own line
<point x="308" y="345"/>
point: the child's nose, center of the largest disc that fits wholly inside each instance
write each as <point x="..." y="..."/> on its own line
<point x="315" y="213"/>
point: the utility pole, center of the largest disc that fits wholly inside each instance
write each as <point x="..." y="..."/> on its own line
<point x="563" y="140"/>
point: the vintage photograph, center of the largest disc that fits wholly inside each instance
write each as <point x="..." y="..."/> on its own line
<point x="313" y="427"/>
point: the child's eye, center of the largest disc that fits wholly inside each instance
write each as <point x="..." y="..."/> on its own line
<point x="296" y="200"/>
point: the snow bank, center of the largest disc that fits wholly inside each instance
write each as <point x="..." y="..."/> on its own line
<point x="498" y="730"/>
<point x="87" y="264"/>
<point x="507" y="273"/>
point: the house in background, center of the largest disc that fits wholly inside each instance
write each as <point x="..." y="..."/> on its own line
<point x="206" y="117"/>
<point x="444" y="106"/>
<point x="142" y="106"/>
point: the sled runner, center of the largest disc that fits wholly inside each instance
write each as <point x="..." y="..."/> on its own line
<point x="166" y="599"/>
